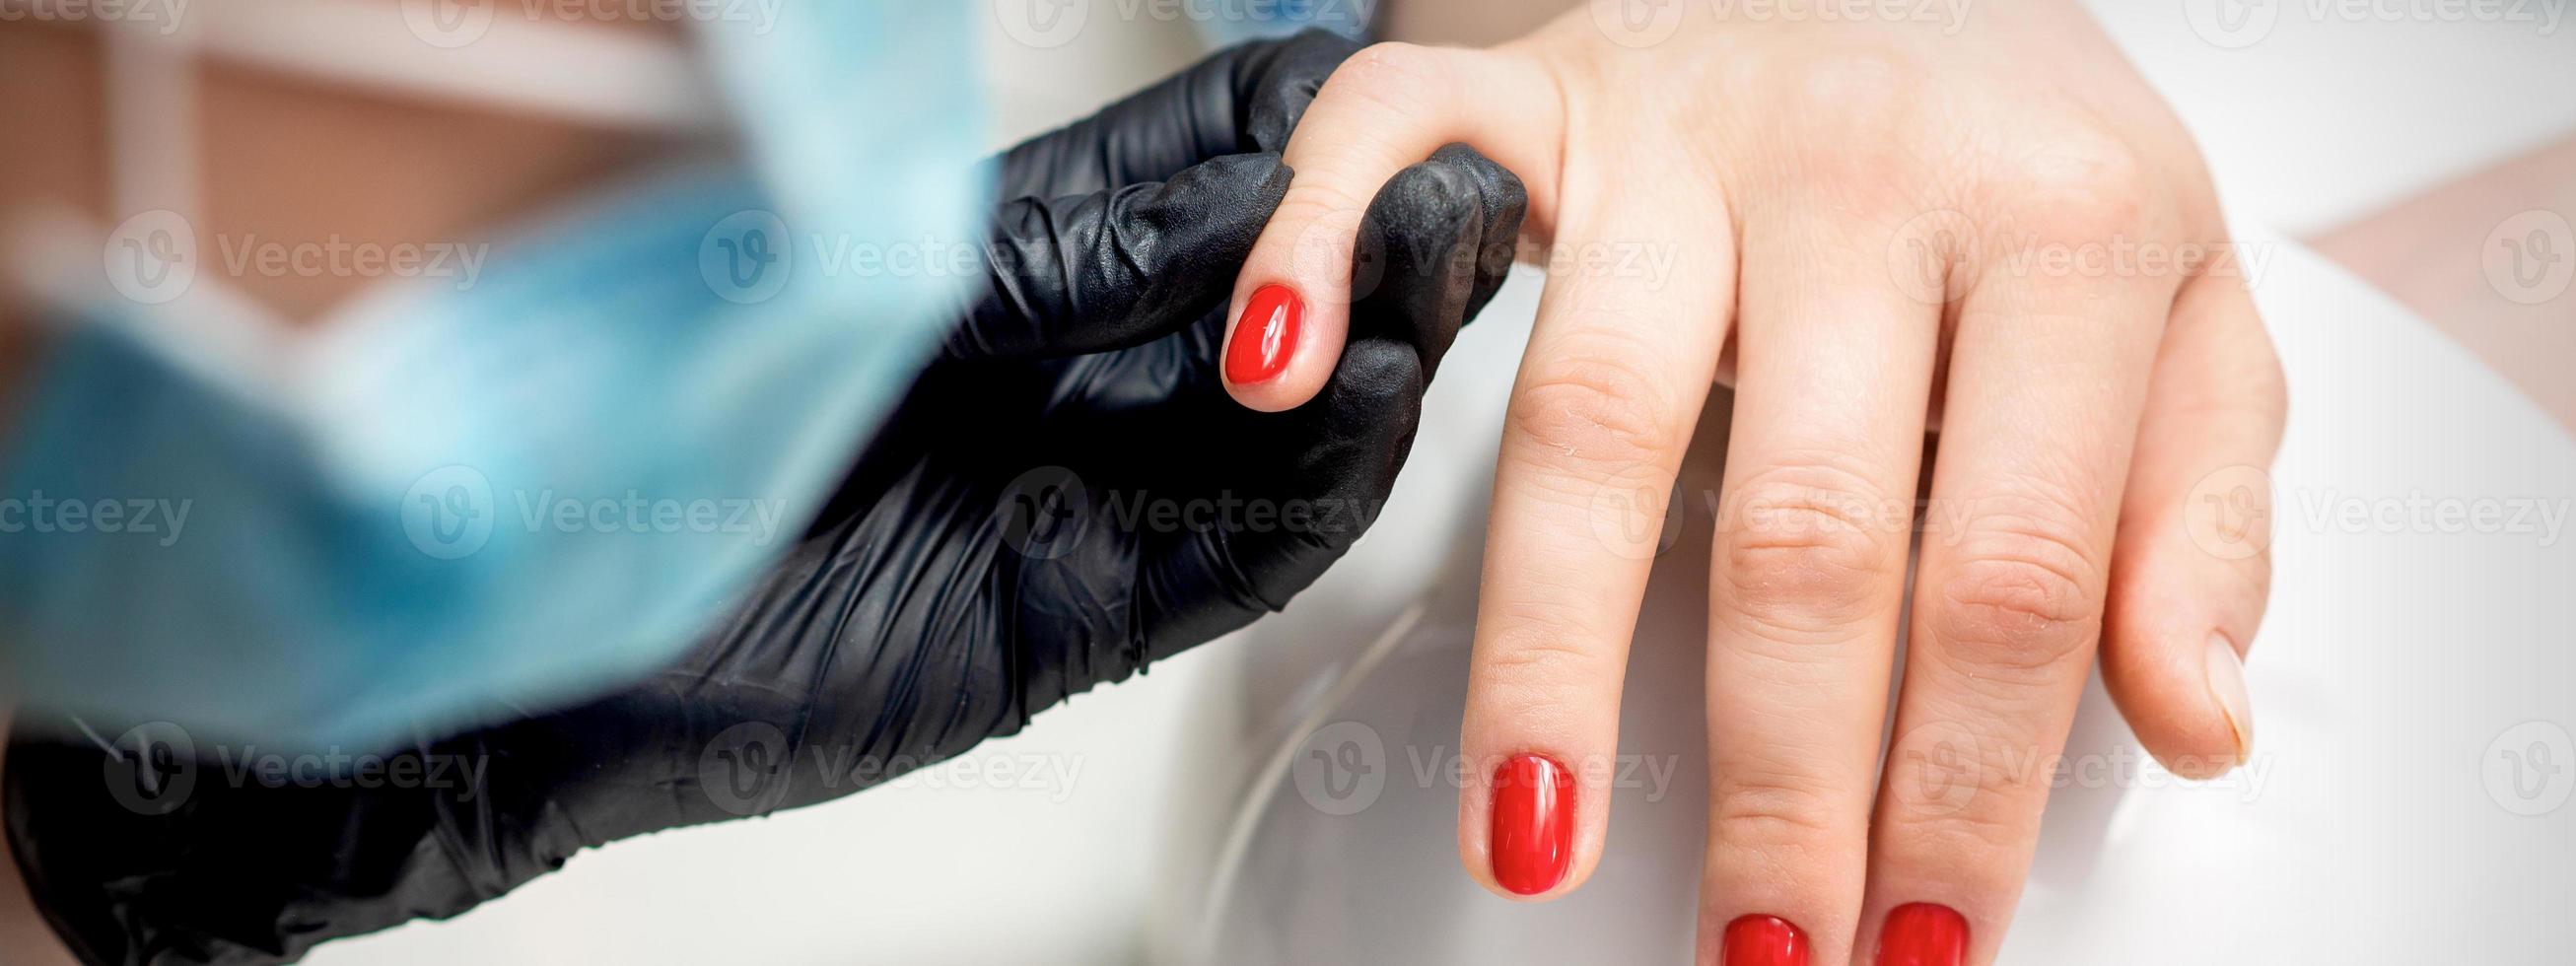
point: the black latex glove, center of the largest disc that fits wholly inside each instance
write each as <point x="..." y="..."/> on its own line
<point x="986" y="558"/>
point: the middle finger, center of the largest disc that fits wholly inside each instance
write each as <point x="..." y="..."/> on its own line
<point x="2049" y="375"/>
<point x="1835" y="363"/>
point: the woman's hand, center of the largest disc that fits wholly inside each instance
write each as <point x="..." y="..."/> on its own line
<point x="1992" y="228"/>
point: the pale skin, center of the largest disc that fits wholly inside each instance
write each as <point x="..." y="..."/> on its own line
<point x="1864" y="222"/>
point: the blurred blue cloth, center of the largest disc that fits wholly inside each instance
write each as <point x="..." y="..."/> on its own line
<point x="1228" y="22"/>
<point x="517" y="493"/>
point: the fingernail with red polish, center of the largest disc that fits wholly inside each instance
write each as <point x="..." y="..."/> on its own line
<point x="1764" y="941"/>
<point x="1923" y="934"/>
<point x="1533" y="834"/>
<point x="1266" y="335"/>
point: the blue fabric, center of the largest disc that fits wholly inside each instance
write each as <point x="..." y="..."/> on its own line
<point x="518" y="492"/>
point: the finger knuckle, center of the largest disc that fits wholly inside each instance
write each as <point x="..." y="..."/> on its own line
<point x="2081" y="186"/>
<point x="1590" y="409"/>
<point x="1954" y="842"/>
<point x="1959" y="792"/>
<point x="1810" y="547"/>
<point x="2023" y="591"/>
<point x="1774" y="813"/>
<point x="1540" y="668"/>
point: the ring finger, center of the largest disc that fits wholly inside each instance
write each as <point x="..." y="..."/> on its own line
<point x="2047" y="380"/>
<point x="1808" y="581"/>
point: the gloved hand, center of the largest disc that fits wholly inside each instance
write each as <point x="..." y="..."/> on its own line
<point x="1064" y="497"/>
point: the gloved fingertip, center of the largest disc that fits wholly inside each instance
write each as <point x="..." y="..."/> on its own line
<point x="1506" y="201"/>
<point x="1258" y="179"/>
<point x="1373" y="372"/>
<point x="1426" y="207"/>
<point x="1413" y="269"/>
<point x="1208" y="217"/>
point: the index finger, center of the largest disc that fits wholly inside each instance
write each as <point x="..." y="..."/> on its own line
<point x="1388" y="107"/>
<point x="1617" y="370"/>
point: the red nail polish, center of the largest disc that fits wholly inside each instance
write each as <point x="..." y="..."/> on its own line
<point x="1764" y="941"/>
<point x="1266" y="335"/>
<point x="1923" y="934"/>
<point x="1533" y="834"/>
